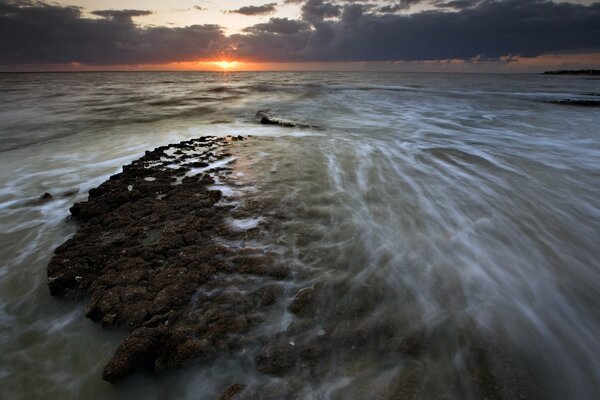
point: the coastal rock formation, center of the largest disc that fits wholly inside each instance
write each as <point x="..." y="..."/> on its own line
<point x="573" y="72"/>
<point x="576" y="102"/>
<point x="153" y="254"/>
<point x="267" y="118"/>
<point x="148" y="257"/>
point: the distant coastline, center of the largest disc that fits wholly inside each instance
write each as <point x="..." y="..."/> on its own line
<point x="574" y="72"/>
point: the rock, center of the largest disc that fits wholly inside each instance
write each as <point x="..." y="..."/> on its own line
<point x="46" y="197"/>
<point x="69" y="193"/>
<point x="576" y="102"/>
<point x="408" y="383"/>
<point x="304" y="304"/>
<point x="269" y="294"/>
<point x="233" y="392"/>
<point x="145" y="261"/>
<point x="267" y="118"/>
<point x="276" y="358"/>
<point x="413" y="343"/>
<point x="139" y="348"/>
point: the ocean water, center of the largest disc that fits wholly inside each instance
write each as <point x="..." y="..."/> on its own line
<point x="466" y="207"/>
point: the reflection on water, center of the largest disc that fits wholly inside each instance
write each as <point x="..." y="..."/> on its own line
<point x="458" y="214"/>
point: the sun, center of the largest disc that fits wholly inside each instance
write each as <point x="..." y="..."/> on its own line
<point x="226" y="65"/>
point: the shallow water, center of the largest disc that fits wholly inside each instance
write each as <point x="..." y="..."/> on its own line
<point x="465" y="207"/>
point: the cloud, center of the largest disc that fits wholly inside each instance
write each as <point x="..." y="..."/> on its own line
<point x="456" y="4"/>
<point x="342" y="30"/>
<point x="489" y="29"/>
<point x="316" y="10"/>
<point x="121" y="14"/>
<point x="282" y="26"/>
<point x="399" y="6"/>
<point x="42" y="33"/>
<point x="256" y="10"/>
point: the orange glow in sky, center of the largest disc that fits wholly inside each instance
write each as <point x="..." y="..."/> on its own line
<point x="227" y="65"/>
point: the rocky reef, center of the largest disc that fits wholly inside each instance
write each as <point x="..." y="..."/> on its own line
<point x="153" y="254"/>
<point x="147" y="256"/>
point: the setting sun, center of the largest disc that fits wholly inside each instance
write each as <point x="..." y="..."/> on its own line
<point x="225" y="65"/>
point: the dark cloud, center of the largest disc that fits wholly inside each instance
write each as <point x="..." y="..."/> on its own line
<point x="391" y="6"/>
<point x="456" y="4"/>
<point x="282" y="26"/>
<point x="256" y="10"/>
<point x="342" y="30"/>
<point x="317" y="10"/>
<point x="488" y="29"/>
<point x="398" y="6"/>
<point x="41" y="33"/>
<point x="121" y="14"/>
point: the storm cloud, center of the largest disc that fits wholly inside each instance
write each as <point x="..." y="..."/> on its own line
<point x="338" y="30"/>
<point x="486" y="29"/>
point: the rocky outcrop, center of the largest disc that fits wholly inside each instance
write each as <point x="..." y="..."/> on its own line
<point x="576" y="102"/>
<point x="150" y="255"/>
<point x="146" y="256"/>
<point x="268" y="118"/>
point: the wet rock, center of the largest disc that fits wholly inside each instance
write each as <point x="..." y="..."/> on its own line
<point x="277" y="358"/>
<point x="233" y="392"/>
<point x="69" y="193"/>
<point x="576" y="102"/>
<point x="299" y="326"/>
<point x="413" y="343"/>
<point x="46" y="197"/>
<point x="408" y="383"/>
<point x="305" y="302"/>
<point x="137" y="349"/>
<point x="145" y="261"/>
<point x="267" y="118"/>
<point x="270" y="294"/>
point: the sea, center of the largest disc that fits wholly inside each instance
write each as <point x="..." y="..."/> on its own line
<point x="470" y="201"/>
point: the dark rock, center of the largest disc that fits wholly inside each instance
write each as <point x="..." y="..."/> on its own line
<point x="413" y="343"/>
<point x="270" y="294"/>
<point x="233" y="392"/>
<point x="574" y="72"/>
<point x="277" y="358"/>
<point x="46" y="197"/>
<point x="69" y="193"/>
<point x="267" y="118"/>
<point x="144" y="262"/>
<point x="304" y="304"/>
<point x="576" y="102"/>
<point x="408" y="383"/>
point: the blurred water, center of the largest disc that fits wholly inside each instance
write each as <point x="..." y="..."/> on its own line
<point x="472" y="199"/>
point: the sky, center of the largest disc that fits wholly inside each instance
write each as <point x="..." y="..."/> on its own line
<point x="386" y="35"/>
